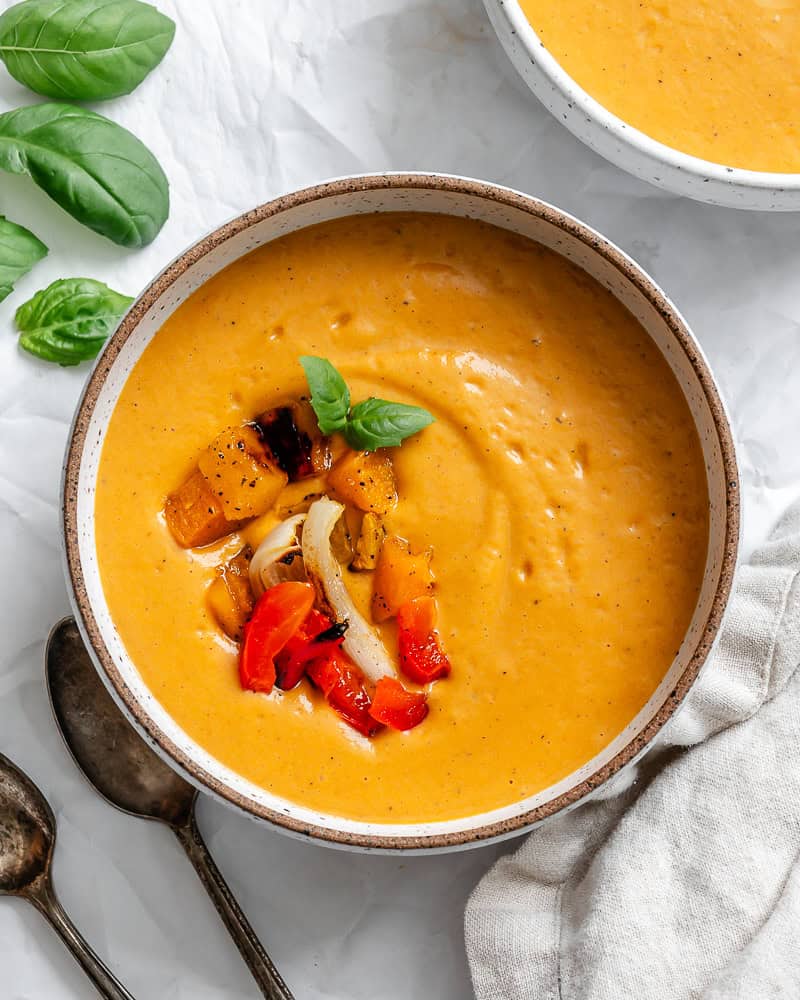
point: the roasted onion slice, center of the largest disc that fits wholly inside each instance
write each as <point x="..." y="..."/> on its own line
<point x="362" y="643"/>
<point x="279" y="557"/>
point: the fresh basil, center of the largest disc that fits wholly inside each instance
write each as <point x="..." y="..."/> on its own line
<point x="19" y="251"/>
<point x="94" y="169"/>
<point x="70" y="320"/>
<point x="374" y="423"/>
<point x="84" y="50"/>
<point x="330" y="396"/>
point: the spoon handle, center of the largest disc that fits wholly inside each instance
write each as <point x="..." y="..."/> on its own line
<point x="260" y="964"/>
<point x="103" y="980"/>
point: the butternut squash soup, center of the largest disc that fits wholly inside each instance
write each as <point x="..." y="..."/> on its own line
<point x="718" y="79"/>
<point x="402" y="517"/>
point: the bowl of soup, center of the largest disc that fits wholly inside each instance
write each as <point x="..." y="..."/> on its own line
<point x="401" y="512"/>
<point x="698" y="98"/>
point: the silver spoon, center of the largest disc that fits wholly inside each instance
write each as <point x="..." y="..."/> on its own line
<point x="129" y="775"/>
<point x="27" y="839"/>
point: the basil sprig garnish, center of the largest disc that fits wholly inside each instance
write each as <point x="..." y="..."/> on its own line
<point x="371" y="424"/>
<point x="19" y="251"/>
<point x="330" y="396"/>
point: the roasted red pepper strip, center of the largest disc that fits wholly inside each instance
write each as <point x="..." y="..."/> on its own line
<point x="395" y="706"/>
<point x="304" y="646"/>
<point x="279" y="613"/>
<point x="422" y="658"/>
<point x="343" y="686"/>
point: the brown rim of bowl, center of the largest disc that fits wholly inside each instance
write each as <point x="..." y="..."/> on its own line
<point x="348" y="185"/>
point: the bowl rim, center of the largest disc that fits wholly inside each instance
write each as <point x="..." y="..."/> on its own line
<point x="88" y="624"/>
<point x="643" y="144"/>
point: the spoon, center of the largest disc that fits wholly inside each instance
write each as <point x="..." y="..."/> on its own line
<point x="132" y="777"/>
<point x="27" y="839"/>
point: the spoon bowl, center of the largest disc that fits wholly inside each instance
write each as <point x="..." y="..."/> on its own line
<point x="104" y="745"/>
<point x="27" y="832"/>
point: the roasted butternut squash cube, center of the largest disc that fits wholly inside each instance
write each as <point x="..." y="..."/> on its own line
<point x="400" y="577"/>
<point x="230" y="597"/>
<point x="242" y="473"/>
<point x="369" y="542"/>
<point x="365" y="479"/>
<point x="293" y="436"/>
<point x="195" y="515"/>
<point x="342" y="540"/>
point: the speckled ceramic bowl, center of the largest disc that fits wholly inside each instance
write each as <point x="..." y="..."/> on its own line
<point x="395" y="192"/>
<point x="625" y="145"/>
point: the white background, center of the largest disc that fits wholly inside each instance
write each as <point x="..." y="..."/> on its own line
<point x="255" y="98"/>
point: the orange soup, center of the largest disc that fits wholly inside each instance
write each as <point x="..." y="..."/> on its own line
<point x="718" y="79"/>
<point x="556" y="508"/>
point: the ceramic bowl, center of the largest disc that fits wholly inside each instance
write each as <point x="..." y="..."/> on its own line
<point x="382" y="193"/>
<point x="625" y="145"/>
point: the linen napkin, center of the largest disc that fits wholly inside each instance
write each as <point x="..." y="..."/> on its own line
<point x="682" y="882"/>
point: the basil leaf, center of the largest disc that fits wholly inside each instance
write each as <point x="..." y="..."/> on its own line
<point x="84" y="50"/>
<point x="375" y="423"/>
<point x="19" y="251"/>
<point x="330" y="396"/>
<point x="94" y="169"/>
<point x="70" y="320"/>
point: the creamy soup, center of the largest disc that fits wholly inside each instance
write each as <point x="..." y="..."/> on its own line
<point x="561" y="489"/>
<point x="718" y="79"/>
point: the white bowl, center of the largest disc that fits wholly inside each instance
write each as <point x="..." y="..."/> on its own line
<point x="625" y="145"/>
<point x="335" y="199"/>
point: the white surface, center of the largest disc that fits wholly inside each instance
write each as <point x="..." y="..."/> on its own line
<point x="252" y="101"/>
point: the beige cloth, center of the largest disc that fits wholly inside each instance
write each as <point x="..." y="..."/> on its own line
<point x="682" y="881"/>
